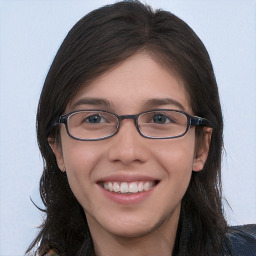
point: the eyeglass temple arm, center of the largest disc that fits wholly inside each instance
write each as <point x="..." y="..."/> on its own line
<point x="61" y="120"/>
<point x="199" y="121"/>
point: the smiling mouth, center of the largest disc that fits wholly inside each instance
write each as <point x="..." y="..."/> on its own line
<point x="128" y="187"/>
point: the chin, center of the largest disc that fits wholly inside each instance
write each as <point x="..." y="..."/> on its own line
<point x="132" y="232"/>
<point x="133" y="227"/>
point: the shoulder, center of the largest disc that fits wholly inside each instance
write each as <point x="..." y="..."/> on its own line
<point x="241" y="240"/>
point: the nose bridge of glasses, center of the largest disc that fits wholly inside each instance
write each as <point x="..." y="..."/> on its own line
<point x="133" y="117"/>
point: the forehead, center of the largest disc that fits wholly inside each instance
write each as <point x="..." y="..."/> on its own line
<point x="133" y="83"/>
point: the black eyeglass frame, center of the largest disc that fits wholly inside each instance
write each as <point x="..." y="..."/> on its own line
<point x="191" y="121"/>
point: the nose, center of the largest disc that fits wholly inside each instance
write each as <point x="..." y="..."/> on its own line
<point x="128" y="146"/>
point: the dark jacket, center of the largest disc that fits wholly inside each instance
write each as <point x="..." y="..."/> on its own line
<point x="240" y="241"/>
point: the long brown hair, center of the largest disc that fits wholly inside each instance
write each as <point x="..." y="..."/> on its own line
<point x="96" y="43"/>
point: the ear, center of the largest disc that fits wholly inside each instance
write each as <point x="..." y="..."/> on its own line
<point x="202" y="149"/>
<point x="56" y="148"/>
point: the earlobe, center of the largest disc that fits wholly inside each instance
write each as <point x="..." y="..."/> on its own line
<point x="56" y="148"/>
<point x="202" y="151"/>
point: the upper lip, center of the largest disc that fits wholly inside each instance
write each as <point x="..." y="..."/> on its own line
<point x="126" y="178"/>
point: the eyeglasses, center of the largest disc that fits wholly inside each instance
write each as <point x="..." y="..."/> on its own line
<point x="93" y="125"/>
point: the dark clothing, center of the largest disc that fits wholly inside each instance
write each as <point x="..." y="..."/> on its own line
<point x="240" y="241"/>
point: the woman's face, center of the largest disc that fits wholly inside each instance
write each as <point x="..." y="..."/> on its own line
<point x="138" y="84"/>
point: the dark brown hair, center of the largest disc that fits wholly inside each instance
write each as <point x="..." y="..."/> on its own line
<point x="96" y="43"/>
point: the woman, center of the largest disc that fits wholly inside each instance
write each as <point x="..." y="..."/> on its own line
<point x="130" y="127"/>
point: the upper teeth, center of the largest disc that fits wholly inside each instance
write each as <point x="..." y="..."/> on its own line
<point x="124" y="187"/>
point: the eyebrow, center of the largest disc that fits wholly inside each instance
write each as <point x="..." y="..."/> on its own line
<point x="150" y="103"/>
<point x="91" y="101"/>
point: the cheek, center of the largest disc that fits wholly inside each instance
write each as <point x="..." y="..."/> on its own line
<point x="176" y="159"/>
<point x="80" y="159"/>
<point x="177" y="154"/>
<point x="78" y="156"/>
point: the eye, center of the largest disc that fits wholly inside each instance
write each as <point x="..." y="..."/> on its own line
<point x="162" y="119"/>
<point x="94" y="119"/>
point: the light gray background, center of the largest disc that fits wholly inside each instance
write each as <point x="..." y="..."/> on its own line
<point x="30" y="34"/>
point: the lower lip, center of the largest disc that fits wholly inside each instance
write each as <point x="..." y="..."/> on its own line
<point x="127" y="199"/>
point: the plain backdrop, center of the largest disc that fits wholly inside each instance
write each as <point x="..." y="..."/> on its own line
<point x="30" y="34"/>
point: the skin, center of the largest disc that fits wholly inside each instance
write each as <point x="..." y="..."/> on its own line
<point x="148" y="227"/>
